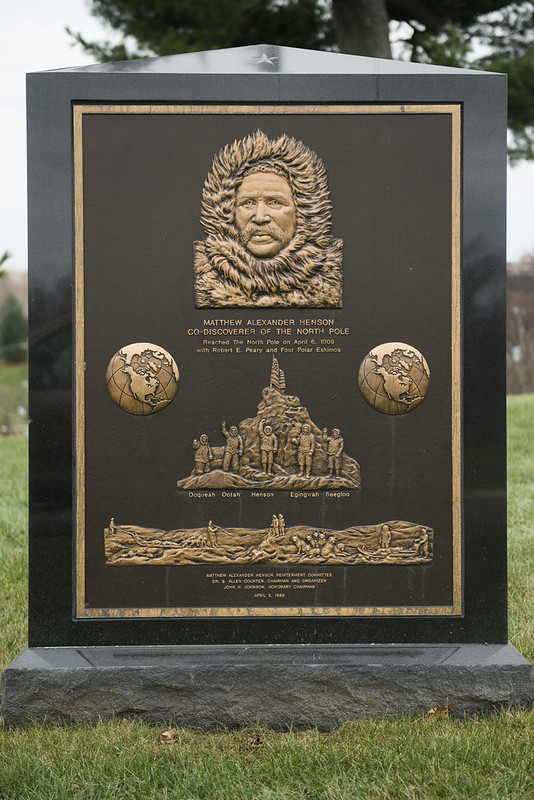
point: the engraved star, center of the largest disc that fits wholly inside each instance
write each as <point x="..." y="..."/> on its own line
<point x="265" y="59"/>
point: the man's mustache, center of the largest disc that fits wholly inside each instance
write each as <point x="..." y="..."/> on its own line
<point x="252" y="230"/>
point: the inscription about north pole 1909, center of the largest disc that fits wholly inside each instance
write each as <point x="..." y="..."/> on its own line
<point x="264" y="336"/>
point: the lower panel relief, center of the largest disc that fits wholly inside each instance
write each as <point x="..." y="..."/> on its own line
<point x="392" y="542"/>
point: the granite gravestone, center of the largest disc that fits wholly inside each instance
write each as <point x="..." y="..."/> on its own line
<point x="267" y="391"/>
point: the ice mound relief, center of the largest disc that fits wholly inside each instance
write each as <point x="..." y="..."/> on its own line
<point x="280" y="448"/>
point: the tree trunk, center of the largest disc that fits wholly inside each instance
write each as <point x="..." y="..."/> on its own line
<point x="362" y="27"/>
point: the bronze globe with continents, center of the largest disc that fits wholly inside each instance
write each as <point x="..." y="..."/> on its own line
<point x="142" y="378"/>
<point x="394" y="378"/>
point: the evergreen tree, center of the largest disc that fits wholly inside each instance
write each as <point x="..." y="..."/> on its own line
<point x="6" y="255"/>
<point x="13" y="331"/>
<point x="448" y="32"/>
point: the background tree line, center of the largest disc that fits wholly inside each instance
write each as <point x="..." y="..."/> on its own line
<point x="13" y="323"/>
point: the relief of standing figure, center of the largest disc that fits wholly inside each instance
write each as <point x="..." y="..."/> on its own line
<point x="305" y="442"/>
<point x="334" y="451"/>
<point x="212" y="533"/>
<point x="421" y="544"/>
<point x="203" y="455"/>
<point x="268" y="447"/>
<point x="384" y="538"/>
<point x="233" y="449"/>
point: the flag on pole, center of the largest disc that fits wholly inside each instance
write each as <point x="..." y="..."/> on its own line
<point x="278" y="379"/>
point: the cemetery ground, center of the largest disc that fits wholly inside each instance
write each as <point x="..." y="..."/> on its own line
<point x="13" y="397"/>
<point x="418" y="758"/>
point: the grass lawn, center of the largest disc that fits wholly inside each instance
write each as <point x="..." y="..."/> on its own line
<point x="13" y="394"/>
<point x="405" y="759"/>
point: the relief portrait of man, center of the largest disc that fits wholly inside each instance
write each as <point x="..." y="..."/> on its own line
<point x="266" y="212"/>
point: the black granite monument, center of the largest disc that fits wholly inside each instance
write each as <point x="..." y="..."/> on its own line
<point x="267" y="388"/>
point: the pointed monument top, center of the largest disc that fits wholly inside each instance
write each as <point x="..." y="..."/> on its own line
<point x="267" y="59"/>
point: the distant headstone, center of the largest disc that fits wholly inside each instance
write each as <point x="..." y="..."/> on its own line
<point x="268" y="391"/>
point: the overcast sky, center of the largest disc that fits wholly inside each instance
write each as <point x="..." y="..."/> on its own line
<point x="34" y="38"/>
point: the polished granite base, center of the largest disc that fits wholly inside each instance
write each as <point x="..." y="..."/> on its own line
<point x="278" y="685"/>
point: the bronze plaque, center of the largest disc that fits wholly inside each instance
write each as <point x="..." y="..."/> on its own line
<point x="268" y="360"/>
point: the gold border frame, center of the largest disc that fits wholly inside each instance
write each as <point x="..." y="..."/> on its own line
<point x="81" y="612"/>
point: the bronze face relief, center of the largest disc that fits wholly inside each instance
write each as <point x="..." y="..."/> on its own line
<point x="266" y="212"/>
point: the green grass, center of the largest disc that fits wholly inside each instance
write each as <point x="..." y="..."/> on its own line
<point x="13" y="546"/>
<point x="403" y="759"/>
<point x="411" y="759"/>
<point x="520" y="523"/>
<point x="13" y="394"/>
